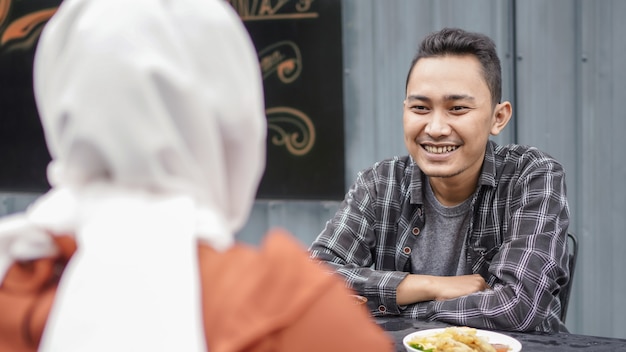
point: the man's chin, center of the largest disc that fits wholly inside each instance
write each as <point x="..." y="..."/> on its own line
<point x="441" y="175"/>
<point x="435" y="172"/>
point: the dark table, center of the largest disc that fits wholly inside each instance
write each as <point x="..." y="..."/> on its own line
<point x="398" y="327"/>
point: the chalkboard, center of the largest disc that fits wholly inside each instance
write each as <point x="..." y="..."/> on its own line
<point x="299" y="46"/>
<point x="23" y="153"/>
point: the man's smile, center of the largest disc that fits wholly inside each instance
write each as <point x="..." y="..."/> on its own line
<point x="439" y="149"/>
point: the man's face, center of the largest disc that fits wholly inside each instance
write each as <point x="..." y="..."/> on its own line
<point x="448" y="116"/>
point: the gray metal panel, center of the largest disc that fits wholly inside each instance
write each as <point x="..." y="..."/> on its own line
<point x="547" y="94"/>
<point x="547" y="79"/>
<point x="303" y="219"/>
<point x="571" y="85"/>
<point x="602" y="218"/>
<point x="15" y="202"/>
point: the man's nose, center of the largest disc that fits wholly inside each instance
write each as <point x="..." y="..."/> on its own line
<point x="438" y="125"/>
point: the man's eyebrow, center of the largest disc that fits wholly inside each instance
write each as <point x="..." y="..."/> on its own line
<point x="417" y="97"/>
<point x="453" y="97"/>
<point x="450" y="97"/>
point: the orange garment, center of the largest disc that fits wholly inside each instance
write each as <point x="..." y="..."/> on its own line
<point x="269" y="299"/>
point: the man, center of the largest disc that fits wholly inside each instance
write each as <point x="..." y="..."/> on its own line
<point x="462" y="230"/>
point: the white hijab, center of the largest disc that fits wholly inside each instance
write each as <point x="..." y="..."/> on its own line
<point x="153" y="114"/>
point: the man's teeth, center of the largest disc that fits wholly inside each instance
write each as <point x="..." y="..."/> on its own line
<point x="439" y="150"/>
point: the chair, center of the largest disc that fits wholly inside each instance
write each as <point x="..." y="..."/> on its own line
<point x="565" y="290"/>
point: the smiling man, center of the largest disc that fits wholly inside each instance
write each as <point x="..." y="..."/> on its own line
<point x="461" y="230"/>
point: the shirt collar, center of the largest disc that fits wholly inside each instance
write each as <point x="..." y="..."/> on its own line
<point x="488" y="172"/>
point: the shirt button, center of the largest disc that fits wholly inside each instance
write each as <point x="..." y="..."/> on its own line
<point x="382" y="309"/>
<point x="416" y="231"/>
<point x="406" y="250"/>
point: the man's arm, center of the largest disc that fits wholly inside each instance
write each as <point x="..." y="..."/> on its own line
<point x="419" y="288"/>
<point x="356" y="240"/>
<point x="363" y="234"/>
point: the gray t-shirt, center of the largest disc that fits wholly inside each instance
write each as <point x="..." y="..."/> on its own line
<point x="440" y="248"/>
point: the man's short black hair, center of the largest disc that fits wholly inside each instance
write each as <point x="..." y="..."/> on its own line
<point x="458" y="42"/>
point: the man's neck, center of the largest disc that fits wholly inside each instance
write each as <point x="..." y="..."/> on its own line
<point x="451" y="191"/>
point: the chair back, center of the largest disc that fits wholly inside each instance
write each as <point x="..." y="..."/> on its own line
<point x="566" y="290"/>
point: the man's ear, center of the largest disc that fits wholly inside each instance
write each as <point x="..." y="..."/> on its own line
<point x="502" y="114"/>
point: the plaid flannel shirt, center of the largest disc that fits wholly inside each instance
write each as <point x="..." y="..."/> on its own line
<point x="516" y="240"/>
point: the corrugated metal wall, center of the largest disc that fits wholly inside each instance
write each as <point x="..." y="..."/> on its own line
<point x="601" y="166"/>
<point x="563" y="63"/>
<point x="571" y="82"/>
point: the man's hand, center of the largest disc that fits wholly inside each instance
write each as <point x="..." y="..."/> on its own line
<point x="419" y="288"/>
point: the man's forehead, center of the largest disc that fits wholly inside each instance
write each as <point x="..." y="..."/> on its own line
<point x="449" y="78"/>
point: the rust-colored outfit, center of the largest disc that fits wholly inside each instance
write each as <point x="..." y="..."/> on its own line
<point x="269" y="299"/>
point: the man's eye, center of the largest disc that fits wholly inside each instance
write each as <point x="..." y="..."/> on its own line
<point x="459" y="110"/>
<point x="419" y="108"/>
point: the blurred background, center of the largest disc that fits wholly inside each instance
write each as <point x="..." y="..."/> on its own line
<point x="563" y="71"/>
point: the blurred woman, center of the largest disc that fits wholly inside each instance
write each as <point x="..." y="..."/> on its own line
<point x="153" y="114"/>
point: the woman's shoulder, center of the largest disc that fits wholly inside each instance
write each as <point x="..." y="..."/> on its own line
<point x="275" y="297"/>
<point x="278" y="273"/>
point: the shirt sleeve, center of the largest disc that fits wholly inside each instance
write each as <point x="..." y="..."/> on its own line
<point x="351" y="242"/>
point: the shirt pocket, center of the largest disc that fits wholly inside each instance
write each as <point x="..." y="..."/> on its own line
<point x="482" y="249"/>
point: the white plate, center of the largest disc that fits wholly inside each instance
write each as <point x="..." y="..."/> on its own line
<point x="492" y="337"/>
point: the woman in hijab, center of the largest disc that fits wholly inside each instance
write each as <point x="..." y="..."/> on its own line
<point x="153" y="114"/>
